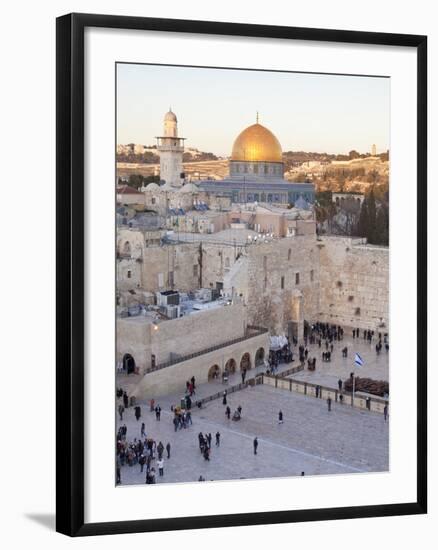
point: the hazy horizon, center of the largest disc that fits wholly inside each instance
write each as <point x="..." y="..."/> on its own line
<point x="307" y="112"/>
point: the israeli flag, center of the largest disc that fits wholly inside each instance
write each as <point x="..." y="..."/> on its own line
<point x="358" y="361"/>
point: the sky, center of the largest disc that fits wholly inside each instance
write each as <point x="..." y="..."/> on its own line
<point x="307" y="112"/>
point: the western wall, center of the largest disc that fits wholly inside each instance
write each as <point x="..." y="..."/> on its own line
<point x="354" y="283"/>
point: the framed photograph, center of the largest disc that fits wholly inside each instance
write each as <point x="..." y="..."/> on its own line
<point x="241" y="274"/>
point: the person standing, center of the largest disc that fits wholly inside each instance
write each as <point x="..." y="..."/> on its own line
<point x="158" y="412"/>
<point x="340" y="384"/>
<point x="160" y="450"/>
<point x="208" y="437"/>
<point x="125" y="400"/>
<point x="137" y="413"/>
<point x="143" y="430"/>
<point x="329" y="403"/>
<point x="224" y="399"/>
<point x="280" y="417"/>
<point x="228" y="412"/>
<point x="218" y="439"/>
<point x="160" y="465"/>
<point x="121" y="411"/>
<point x="255" y="445"/>
<point x="189" y="418"/>
<point x="168" y="450"/>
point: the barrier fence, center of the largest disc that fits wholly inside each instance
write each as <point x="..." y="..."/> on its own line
<point x="360" y="401"/>
<point x="231" y="389"/>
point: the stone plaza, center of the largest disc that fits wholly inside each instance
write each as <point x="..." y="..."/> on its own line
<point x="311" y="439"/>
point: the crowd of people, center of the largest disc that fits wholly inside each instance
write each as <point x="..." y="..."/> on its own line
<point x="143" y="452"/>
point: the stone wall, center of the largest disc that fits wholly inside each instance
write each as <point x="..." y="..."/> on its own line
<point x="354" y="283"/>
<point x="172" y="266"/>
<point x="177" y="337"/>
<point x="173" y="379"/>
<point x="275" y="271"/>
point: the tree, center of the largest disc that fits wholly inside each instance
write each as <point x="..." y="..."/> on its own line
<point x="353" y="154"/>
<point x="135" y="180"/>
<point x="372" y="216"/>
<point x="363" y="219"/>
<point x="382" y="226"/>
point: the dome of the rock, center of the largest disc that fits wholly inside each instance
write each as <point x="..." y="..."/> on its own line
<point x="256" y="144"/>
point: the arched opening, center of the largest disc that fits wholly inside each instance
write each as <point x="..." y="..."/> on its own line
<point x="245" y="362"/>
<point x="128" y="363"/>
<point x="213" y="373"/>
<point x="127" y="248"/>
<point x="230" y="366"/>
<point x="260" y="357"/>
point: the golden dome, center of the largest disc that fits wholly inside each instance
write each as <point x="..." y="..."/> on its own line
<point x="257" y="143"/>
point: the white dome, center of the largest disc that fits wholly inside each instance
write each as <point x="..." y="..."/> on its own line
<point x="167" y="187"/>
<point x="170" y="116"/>
<point x="153" y="187"/>
<point x="189" y="188"/>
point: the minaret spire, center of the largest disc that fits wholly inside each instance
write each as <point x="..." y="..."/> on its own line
<point x="257" y="117"/>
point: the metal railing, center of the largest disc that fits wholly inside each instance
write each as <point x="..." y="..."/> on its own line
<point x="218" y="395"/>
<point x="251" y="332"/>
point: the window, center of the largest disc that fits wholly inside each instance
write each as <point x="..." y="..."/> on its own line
<point x="153" y="200"/>
<point x="195" y="270"/>
<point x="311" y="275"/>
<point x="297" y="278"/>
<point x="171" y="282"/>
<point x="289" y="254"/>
<point x="129" y="274"/>
<point x="127" y="248"/>
<point x="282" y="283"/>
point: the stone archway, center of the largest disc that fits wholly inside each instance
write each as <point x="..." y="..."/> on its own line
<point x="245" y="362"/>
<point x="128" y="363"/>
<point x="213" y="373"/>
<point x="260" y="357"/>
<point x="230" y="366"/>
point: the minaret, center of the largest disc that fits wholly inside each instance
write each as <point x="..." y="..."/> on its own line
<point x="373" y="150"/>
<point x="171" y="149"/>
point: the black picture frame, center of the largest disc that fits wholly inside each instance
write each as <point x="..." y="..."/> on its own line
<point x="70" y="273"/>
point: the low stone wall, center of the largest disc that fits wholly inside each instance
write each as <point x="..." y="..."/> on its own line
<point x="307" y="388"/>
<point x="173" y="378"/>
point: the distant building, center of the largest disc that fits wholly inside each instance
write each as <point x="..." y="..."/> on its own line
<point x="373" y="150"/>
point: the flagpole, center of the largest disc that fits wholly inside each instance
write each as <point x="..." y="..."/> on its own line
<point x="352" y="397"/>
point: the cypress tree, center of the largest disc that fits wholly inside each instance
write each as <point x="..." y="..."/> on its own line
<point x="382" y="226"/>
<point x="363" y="219"/>
<point x="372" y="218"/>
